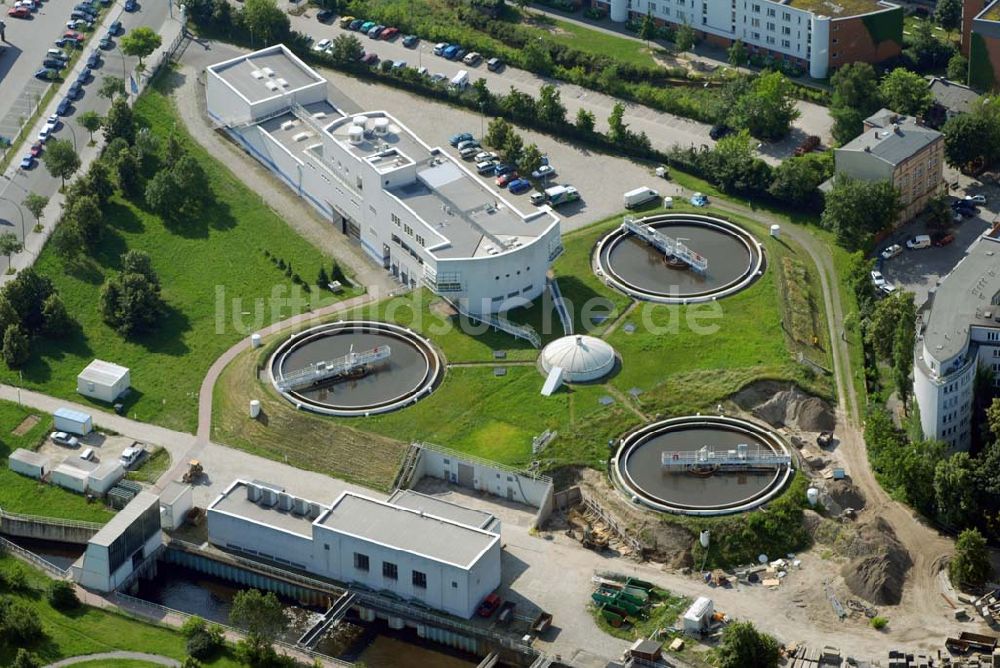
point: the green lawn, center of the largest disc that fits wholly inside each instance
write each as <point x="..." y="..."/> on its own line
<point x="217" y="283"/>
<point x="598" y="42"/>
<point x="152" y="467"/>
<point x="20" y="494"/>
<point x="91" y="630"/>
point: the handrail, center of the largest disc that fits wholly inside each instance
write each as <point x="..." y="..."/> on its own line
<point x="52" y="521"/>
<point x="33" y="558"/>
<point x="557" y="300"/>
<point x="525" y="332"/>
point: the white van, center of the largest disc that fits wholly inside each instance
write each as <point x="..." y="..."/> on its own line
<point x="918" y="242"/>
<point x="640" y="196"/>
<point x="460" y="80"/>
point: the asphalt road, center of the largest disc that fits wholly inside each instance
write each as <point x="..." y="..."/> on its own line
<point x="18" y="182"/>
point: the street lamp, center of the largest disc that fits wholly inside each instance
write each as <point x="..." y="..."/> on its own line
<point x="20" y="213"/>
<point x="72" y="132"/>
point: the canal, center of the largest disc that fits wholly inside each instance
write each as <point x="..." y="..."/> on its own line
<point x="61" y="555"/>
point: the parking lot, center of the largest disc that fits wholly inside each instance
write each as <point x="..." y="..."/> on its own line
<point x="664" y="130"/>
<point x="918" y="271"/>
<point x="106" y="447"/>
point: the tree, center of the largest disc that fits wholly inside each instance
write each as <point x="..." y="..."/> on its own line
<point x="61" y="159"/>
<point x="67" y="241"/>
<point x="993" y="418"/>
<point x="163" y="197"/>
<point x="531" y="159"/>
<point x="91" y="122"/>
<point x="766" y="108"/>
<point x="512" y="149"/>
<point x="855" y="210"/>
<point x="617" y="128"/>
<point x="886" y="317"/>
<point x="902" y="359"/>
<point x="685" y="37"/>
<point x="346" y="50"/>
<point x="536" y="57"/>
<point x="738" y="55"/>
<point x="265" y="20"/>
<point x="848" y="123"/>
<point x="127" y="169"/>
<point x="906" y="92"/>
<point x="647" y="29"/>
<point x="131" y="304"/>
<point x="56" y="320"/>
<point x="119" y="122"/>
<point x="25" y="659"/>
<point x="140" y="42"/>
<point x="971" y="565"/>
<point x="855" y="85"/>
<point x="26" y="293"/>
<point x="958" y="68"/>
<point x="971" y="140"/>
<point x="497" y="132"/>
<point x="948" y="14"/>
<point x="550" y="107"/>
<point x="111" y="86"/>
<point x="36" y="204"/>
<point x="585" y="121"/>
<point x="797" y="180"/>
<point x="62" y="596"/>
<point x="322" y="278"/>
<point x="924" y="49"/>
<point x="192" y="184"/>
<point x="734" y="166"/>
<point x="16" y="347"/>
<point x="485" y="99"/>
<point x="85" y="212"/>
<point x="260" y="615"/>
<point x="953" y="489"/>
<point x="98" y="183"/>
<point x="519" y="104"/>
<point x="146" y="144"/>
<point x="10" y="244"/>
<point x="743" y="646"/>
<point x="939" y="213"/>
<point x="138" y="262"/>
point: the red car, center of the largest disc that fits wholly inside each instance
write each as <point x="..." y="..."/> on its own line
<point x="504" y="179"/>
<point x="36" y="149"/>
<point x="943" y="240"/>
<point x="489" y="605"/>
<point x="74" y="35"/>
<point x="19" y="12"/>
<point x="389" y="33"/>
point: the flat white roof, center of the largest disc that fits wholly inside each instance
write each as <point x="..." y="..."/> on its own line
<point x="124" y="519"/>
<point x="266" y="73"/>
<point x="70" y="414"/>
<point x="29" y="457"/>
<point x="104" y="373"/>
<point x="407" y="530"/>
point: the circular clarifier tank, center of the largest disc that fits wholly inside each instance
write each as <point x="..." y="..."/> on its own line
<point x="700" y="258"/>
<point x="660" y="466"/>
<point x="353" y="368"/>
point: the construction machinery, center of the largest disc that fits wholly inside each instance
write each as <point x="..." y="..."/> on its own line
<point x="194" y="472"/>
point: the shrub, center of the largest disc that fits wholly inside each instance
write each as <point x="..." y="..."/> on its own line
<point x="62" y="596"/>
<point x="202" y="645"/>
<point x="879" y="623"/>
<point x="192" y="625"/>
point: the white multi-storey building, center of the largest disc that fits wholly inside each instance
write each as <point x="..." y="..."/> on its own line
<point x="415" y="211"/>
<point x="959" y="332"/>
<point x="419" y="548"/>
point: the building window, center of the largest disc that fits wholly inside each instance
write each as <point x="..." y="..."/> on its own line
<point x="420" y="580"/>
<point x="770" y="11"/>
<point x="389" y="570"/>
<point x="361" y="561"/>
<point x="454" y="585"/>
<point x="395" y="219"/>
<point x="326" y="546"/>
<point x="420" y="240"/>
<point x="408" y="230"/>
<point x="770" y="26"/>
<point x="786" y="44"/>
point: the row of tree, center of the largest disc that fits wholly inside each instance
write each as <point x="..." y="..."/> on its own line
<point x="858" y="93"/>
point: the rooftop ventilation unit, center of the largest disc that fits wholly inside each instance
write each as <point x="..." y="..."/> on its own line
<point x="301" y="135"/>
<point x="282" y="82"/>
<point x="288" y="125"/>
<point x="360" y="121"/>
<point x="319" y="114"/>
<point x="285" y="501"/>
<point x="356" y="134"/>
<point x="381" y="126"/>
<point x="257" y="74"/>
<point x="253" y="493"/>
<point x="271" y="85"/>
<point x="300" y="506"/>
<point x="313" y="511"/>
<point x="268" y="497"/>
<point x="268" y="71"/>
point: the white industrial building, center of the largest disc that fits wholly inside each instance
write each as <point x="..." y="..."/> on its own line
<point x="73" y="421"/>
<point x="104" y="381"/>
<point x="430" y="556"/>
<point x="176" y="501"/>
<point x="28" y="463"/>
<point x="122" y="545"/>
<point x="86" y="476"/>
<point x="958" y="332"/>
<point x="416" y="212"/>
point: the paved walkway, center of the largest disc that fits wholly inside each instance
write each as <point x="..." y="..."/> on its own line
<point x="122" y="656"/>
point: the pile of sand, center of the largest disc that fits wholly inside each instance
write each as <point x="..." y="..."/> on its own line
<point x="877" y="571"/>
<point x="784" y="404"/>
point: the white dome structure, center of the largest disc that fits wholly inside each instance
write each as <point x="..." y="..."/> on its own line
<point x="582" y="358"/>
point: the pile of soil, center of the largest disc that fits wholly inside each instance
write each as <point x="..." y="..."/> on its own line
<point x="878" y="570"/>
<point x="785" y="405"/>
<point x="839" y="495"/>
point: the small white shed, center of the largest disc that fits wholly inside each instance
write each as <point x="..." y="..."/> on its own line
<point x="28" y="463"/>
<point x="73" y="422"/>
<point x="698" y="617"/>
<point x="105" y="476"/>
<point x="175" y="502"/>
<point x="72" y="476"/>
<point x="104" y="381"/>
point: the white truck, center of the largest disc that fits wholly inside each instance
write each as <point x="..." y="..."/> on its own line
<point x="639" y="196"/>
<point x="557" y="195"/>
<point x="460" y="80"/>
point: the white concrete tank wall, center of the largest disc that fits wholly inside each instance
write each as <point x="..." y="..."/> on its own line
<point x="619" y="11"/>
<point x="819" y="57"/>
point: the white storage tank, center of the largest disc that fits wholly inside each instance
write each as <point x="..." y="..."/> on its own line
<point x="812" y="496"/>
<point x="356" y="134"/>
<point x="776" y="231"/>
<point x="254" y="408"/>
<point x="381" y="126"/>
<point x="255" y="340"/>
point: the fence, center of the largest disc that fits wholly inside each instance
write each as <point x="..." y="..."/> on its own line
<point x="53" y="521"/>
<point x="34" y="559"/>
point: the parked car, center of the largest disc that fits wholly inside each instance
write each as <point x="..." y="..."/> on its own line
<point x="423" y="71"/>
<point x="450" y="52"/>
<point x="389" y="33"/>
<point x="485" y="155"/>
<point x="485" y="166"/>
<point x="131" y="455"/>
<point x="878" y="280"/>
<point x="94" y="60"/>
<point x="36" y="149"/>
<point x="75" y="91"/>
<point x="488" y="606"/>
<point x="46" y="74"/>
<point x="85" y="75"/>
<point x="62" y="438"/>
<point x="410" y="41"/>
<point x="437" y="77"/>
<point x="366" y="26"/>
<point x="370" y="59"/>
<point x="472" y="59"/>
<point x="494" y="64"/>
<point x="106" y="43"/>
<point x="719" y="131"/>
<point x="115" y="28"/>
<point x="54" y="63"/>
<point x="356" y="24"/>
<point x="887" y="288"/>
<point x="73" y="35"/>
<point x="375" y="32"/>
<point x="975" y="199"/>
<point x="699" y="199"/>
<point x="67" y="42"/>
<point x="504" y="179"/>
<point x="460" y="54"/>
<point x="324" y="15"/>
<point x="455" y="140"/>
<point x="544" y="172"/>
<point x="466" y="143"/>
<point x="64" y="106"/>
<point x="518" y="186"/>
<point x="502" y="169"/>
<point x="808" y="145"/>
<point x="27" y="162"/>
<point x="79" y="24"/>
<point x="81" y="16"/>
<point x="469" y="152"/>
<point x="891" y="252"/>
<point x="943" y="240"/>
<point x="440" y="47"/>
<point x="19" y="12"/>
<point x="398" y="64"/>
<point x="918" y="242"/>
<point x="131" y="6"/>
<point x="322" y="45"/>
<point x="57" y="53"/>
<point x="345" y="22"/>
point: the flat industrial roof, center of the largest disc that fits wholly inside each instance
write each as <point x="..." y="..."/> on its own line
<point x="407" y="530"/>
<point x="107" y="373"/>
<point x="124" y="519"/>
<point x="965" y="299"/>
<point x="235" y="502"/>
<point x="29" y="457"/>
<point x="839" y="8"/>
<point x="430" y="505"/>
<point x="72" y="414"/>
<point x="266" y="73"/>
